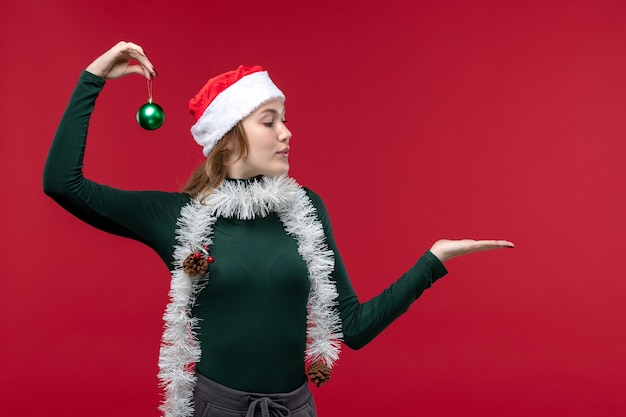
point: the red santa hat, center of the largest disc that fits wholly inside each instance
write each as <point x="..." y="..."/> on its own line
<point x="227" y="99"/>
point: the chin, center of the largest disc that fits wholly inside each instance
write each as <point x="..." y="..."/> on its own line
<point x="278" y="172"/>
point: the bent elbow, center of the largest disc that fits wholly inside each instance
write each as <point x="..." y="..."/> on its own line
<point x="355" y="342"/>
<point x="49" y="187"/>
<point x="52" y="186"/>
<point x="59" y="188"/>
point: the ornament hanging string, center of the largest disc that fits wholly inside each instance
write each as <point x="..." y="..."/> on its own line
<point x="149" y="81"/>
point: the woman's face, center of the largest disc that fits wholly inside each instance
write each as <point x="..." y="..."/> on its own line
<point x="268" y="143"/>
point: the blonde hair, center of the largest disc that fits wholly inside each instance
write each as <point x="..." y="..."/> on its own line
<point x="210" y="174"/>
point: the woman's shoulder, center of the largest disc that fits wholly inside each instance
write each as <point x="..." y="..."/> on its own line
<point x="318" y="203"/>
<point x="316" y="199"/>
<point x="167" y="201"/>
<point x="175" y="198"/>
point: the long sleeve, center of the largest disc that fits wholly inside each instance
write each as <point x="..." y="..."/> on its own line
<point x="258" y="281"/>
<point x="362" y="322"/>
<point x="131" y="214"/>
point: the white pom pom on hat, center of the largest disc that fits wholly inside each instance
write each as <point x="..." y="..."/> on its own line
<point x="227" y="99"/>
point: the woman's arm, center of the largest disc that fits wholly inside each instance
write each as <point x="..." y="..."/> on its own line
<point x="125" y="213"/>
<point x="362" y="322"/>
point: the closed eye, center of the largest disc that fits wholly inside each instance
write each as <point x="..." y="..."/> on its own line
<point x="270" y="124"/>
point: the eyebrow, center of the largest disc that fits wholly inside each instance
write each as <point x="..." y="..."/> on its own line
<point x="273" y="111"/>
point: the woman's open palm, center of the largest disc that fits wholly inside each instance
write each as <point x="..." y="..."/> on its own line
<point x="446" y="249"/>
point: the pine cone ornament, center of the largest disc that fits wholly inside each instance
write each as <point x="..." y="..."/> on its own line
<point x="319" y="373"/>
<point x="195" y="264"/>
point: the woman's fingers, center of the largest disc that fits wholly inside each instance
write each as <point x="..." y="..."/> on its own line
<point x="481" y="245"/>
<point x="137" y="53"/>
<point x="115" y="62"/>
<point x="446" y="249"/>
<point x="137" y="69"/>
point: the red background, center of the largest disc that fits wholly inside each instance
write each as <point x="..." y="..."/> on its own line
<point x="415" y="120"/>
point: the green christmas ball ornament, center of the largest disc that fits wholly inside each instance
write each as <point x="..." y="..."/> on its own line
<point x="150" y="116"/>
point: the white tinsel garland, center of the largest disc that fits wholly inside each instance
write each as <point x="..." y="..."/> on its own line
<point x="243" y="200"/>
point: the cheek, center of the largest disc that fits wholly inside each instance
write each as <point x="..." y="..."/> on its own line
<point x="262" y="143"/>
<point x="259" y="150"/>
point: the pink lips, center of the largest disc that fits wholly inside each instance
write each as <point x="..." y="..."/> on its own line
<point x="284" y="152"/>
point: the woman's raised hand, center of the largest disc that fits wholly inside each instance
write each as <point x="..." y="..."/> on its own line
<point x="445" y="249"/>
<point x="115" y="62"/>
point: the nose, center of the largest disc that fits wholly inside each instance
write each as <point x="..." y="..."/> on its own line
<point x="284" y="134"/>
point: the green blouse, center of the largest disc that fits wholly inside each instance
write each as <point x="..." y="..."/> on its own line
<point x="253" y="310"/>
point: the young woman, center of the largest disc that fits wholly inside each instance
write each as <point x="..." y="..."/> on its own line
<point x="259" y="291"/>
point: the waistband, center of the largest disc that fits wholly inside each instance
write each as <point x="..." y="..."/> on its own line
<point x="246" y="402"/>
